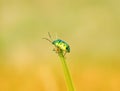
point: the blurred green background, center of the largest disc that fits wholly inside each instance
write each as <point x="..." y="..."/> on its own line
<point x="91" y="28"/>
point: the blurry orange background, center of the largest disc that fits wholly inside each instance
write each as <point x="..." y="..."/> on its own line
<point x="90" y="27"/>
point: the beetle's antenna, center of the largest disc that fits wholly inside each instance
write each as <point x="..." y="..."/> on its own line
<point x="50" y="40"/>
<point x="50" y="36"/>
<point x="47" y="39"/>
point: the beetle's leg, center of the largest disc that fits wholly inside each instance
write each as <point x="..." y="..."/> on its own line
<point x="64" y="53"/>
<point x="56" y="49"/>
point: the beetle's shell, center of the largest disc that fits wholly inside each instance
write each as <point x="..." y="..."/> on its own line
<point x="62" y="45"/>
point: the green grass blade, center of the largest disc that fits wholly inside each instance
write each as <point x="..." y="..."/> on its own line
<point x="66" y="72"/>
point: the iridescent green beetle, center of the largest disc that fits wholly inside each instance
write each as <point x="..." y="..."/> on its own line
<point x="59" y="44"/>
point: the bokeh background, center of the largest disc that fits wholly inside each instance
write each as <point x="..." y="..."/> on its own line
<point x="92" y="29"/>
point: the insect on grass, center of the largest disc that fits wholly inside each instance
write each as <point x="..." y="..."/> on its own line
<point x="60" y="45"/>
<point x="61" y="48"/>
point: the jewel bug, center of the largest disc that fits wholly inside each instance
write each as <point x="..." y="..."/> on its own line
<point x="59" y="44"/>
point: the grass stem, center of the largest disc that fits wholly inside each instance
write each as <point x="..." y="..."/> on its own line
<point x="66" y="72"/>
